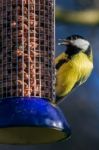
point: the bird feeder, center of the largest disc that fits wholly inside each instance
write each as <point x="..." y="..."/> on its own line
<point x="27" y="74"/>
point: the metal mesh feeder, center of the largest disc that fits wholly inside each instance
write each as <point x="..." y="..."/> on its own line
<point x="27" y="79"/>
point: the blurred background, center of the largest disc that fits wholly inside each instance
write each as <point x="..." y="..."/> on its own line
<point x="81" y="108"/>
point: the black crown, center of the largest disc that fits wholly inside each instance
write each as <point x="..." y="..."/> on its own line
<point x="74" y="37"/>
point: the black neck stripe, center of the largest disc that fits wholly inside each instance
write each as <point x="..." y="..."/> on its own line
<point x="88" y="51"/>
<point x="60" y="63"/>
<point x="72" y="50"/>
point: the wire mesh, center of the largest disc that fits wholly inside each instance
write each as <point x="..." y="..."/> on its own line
<point x="27" y="36"/>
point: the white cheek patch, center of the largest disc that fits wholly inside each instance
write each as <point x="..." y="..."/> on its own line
<point x="82" y="44"/>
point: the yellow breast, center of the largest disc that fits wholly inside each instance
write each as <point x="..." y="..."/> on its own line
<point x="76" y="69"/>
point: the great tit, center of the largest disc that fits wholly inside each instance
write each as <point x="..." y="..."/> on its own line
<point x="73" y="66"/>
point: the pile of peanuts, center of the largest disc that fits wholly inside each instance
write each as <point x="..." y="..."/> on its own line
<point x="24" y="37"/>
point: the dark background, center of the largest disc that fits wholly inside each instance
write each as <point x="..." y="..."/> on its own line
<point x="81" y="108"/>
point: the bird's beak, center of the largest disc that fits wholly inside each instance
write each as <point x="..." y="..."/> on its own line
<point x="64" y="42"/>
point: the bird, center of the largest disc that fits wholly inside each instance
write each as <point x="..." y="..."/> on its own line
<point x="73" y="66"/>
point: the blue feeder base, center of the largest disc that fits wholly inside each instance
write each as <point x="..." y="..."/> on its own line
<point x="31" y="120"/>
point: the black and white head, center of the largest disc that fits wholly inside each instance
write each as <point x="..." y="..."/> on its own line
<point x="75" y="44"/>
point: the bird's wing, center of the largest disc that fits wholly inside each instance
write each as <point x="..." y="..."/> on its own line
<point x="61" y="59"/>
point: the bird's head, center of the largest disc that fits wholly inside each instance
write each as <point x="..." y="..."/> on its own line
<point x="75" y="44"/>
